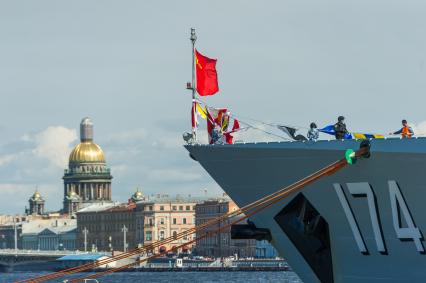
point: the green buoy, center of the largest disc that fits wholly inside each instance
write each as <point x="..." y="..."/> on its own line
<point x="350" y="156"/>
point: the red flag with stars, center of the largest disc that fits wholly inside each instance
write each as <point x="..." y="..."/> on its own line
<point x="205" y="67"/>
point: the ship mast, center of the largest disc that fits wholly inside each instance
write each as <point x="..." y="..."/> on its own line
<point x="193" y="38"/>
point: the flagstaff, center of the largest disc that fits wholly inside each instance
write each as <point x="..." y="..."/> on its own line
<point x="193" y="38"/>
<point x="204" y="83"/>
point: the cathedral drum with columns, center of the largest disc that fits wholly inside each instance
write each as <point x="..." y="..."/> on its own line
<point x="87" y="179"/>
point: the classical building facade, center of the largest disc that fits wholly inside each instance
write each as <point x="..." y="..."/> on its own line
<point x="106" y="227"/>
<point x="37" y="232"/>
<point x="87" y="179"/>
<point x="161" y="217"/>
<point x="221" y="244"/>
<point x="49" y="234"/>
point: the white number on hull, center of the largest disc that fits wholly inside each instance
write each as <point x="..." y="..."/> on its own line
<point x="397" y="204"/>
<point x="351" y="219"/>
<point x="410" y="232"/>
<point x="364" y="189"/>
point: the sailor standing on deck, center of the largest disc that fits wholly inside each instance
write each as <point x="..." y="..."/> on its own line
<point x="340" y="128"/>
<point x="217" y="135"/>
<point x="406" y="131"/>
<point x="313" y="133"/>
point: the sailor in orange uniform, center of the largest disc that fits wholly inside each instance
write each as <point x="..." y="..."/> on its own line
<point x="406" y="131"/>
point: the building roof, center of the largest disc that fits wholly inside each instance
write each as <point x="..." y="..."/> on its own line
<point x="7" y="219"/>
<point x="123" y="207"/>
<point x="79" y="257"/>
<point x="169" y="199"/>
<point x="62" y="229"/>
<point x="216" y="200"/>
<point x="98" y="207"/>
<point x="55" y="225"/>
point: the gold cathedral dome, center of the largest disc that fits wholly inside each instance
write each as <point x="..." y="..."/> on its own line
<point x="87" y="150"/>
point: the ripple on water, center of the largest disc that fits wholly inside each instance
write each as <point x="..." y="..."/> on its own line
<point x="204" y="277"/>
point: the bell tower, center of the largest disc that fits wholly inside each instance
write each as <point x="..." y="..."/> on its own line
<point x="36" y="203"/>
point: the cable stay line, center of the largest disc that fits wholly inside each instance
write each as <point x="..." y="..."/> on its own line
<point x="251" y="125"/>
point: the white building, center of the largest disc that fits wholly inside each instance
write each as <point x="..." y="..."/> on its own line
<point x="49" y="234"/>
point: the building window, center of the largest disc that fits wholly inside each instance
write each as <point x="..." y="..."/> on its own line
<point x="174" y="207"/>
<point x="161" y="207"/>
<point x="184" y="221"/>
<point x="174" y="234"/>
<point x="161" y="220"/>
<point x="148" y="236"/>
<point x="161" y="235"/>
<point x="180" y="207"/>
<point x="174" y="220"/>
<point x="188" y="207"/>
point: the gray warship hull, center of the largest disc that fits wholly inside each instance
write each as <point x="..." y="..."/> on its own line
<point x="363" y="224"/>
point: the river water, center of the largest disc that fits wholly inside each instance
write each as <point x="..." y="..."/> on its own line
<point x="175" y="277"/>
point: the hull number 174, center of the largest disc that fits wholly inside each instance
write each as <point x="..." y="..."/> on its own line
<point x="399" y="210"/>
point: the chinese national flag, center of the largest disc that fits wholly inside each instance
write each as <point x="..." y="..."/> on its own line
<point x="206" y="75"/>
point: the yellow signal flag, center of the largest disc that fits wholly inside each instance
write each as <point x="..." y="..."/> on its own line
<point x="201" y="111"/>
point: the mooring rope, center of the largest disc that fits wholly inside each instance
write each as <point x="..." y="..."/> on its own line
<point x="260" y="204"/>
<point x="270" y="200"/>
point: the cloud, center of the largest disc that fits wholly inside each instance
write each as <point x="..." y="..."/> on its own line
<point x="54" y="144"/>
<point x="34" y="159"/>
<point x="155" y="162"/>
<point x="7" y="159"/>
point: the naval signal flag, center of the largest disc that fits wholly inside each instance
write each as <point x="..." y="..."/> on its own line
<point x="205" y="67"/>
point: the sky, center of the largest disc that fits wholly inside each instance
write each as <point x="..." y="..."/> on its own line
<point x="125" y="64"/>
